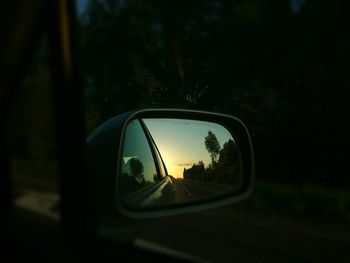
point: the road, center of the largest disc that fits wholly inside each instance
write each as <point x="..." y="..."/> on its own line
<point x="175" y="191"/>
<point x="188" y="191"/>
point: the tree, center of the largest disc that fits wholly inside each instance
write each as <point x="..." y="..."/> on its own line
<point x="136" y="170"/>
<point x="228" y="168"/>
<point x="212" y="145"/>
<point x="228" y="154"/>
<point x="196" y="172"/>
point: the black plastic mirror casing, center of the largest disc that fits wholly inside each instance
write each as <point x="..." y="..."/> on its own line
<point x="104" y="148"/>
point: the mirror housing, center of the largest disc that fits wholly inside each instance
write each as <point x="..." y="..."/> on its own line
<point x="105" y="148"/>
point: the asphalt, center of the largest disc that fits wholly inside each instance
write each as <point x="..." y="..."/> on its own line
<point x="187" y="192"/>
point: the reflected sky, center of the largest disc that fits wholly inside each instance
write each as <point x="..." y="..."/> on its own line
<point x="181" y="142"/>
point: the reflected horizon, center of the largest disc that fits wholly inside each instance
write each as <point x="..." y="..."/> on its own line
<point x="178" y="156"/>
<point x="201" y="158"/>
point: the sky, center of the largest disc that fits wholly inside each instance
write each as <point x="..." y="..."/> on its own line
<point x="181" y="142"/>
<point x="81" y="6"/>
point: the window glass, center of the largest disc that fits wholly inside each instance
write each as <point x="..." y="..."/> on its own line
<point x="31" y="136"/>
<point x="138" y="166"/>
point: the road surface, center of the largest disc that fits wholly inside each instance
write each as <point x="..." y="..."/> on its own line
<point x="187" y="191"/>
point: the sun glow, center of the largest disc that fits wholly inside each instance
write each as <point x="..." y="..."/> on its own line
<point x="181" y="142"/>
<point x="172" y="162"/>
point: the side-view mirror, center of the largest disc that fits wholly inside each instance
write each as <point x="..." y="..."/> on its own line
<point x="158" y="162"/>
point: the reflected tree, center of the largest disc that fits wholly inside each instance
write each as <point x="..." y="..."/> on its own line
<point x="224" y="169"/>
<point x="134" y="179"/>
<point x="228" y="153"/>
<point x="196" y="172"/>
<point x="212" y="145"/>
<point x="136" y="170"/>
<point x="228" y="164"/>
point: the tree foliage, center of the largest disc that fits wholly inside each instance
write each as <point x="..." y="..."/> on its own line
<point x="136" y="169"/>
<point x="212" y="145"/>
<point x="227" y="170"/>
<point x="283" y="71"/>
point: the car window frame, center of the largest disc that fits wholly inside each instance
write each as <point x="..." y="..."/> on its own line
<point x="150" y="147"/>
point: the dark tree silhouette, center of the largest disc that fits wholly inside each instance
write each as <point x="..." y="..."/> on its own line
<point x="136" y="170"/>
<point x="212" y="145"/>
<point x="228" y="153"/>
<point x="229" y="169"/>
<point x="261" y="61"/>
<point x="196" y="172"/>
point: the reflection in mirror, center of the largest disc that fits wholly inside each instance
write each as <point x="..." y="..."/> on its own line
<point x="138" y="166"/>
<point x="175" y="161"/>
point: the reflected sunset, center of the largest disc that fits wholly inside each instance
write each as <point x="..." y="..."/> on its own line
<point x="182" y="142"/>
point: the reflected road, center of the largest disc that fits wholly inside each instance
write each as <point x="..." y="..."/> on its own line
<point x="187" y="192"/>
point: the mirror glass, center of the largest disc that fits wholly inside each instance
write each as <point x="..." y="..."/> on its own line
<point x="169" y="162"/>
